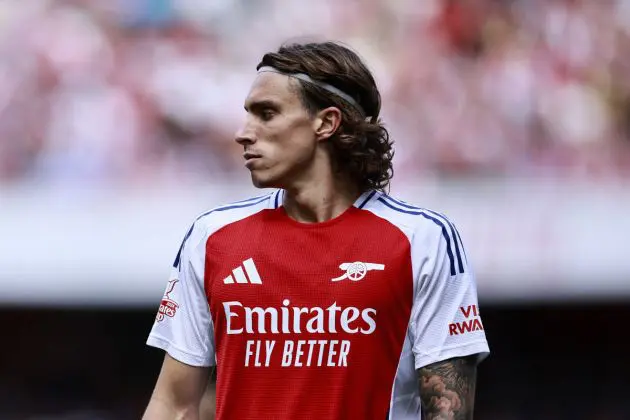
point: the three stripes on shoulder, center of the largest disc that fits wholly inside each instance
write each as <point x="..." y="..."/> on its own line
<point x="454" y="245"/>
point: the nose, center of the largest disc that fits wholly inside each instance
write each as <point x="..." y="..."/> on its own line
<point x="245" y="135"/>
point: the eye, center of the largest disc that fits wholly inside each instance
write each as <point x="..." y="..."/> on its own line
<point x="267" y="114"/>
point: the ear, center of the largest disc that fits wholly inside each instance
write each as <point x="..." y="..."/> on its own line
<point x="326" y="123"/>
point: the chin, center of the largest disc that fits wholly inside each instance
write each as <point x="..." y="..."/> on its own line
<point x="263" y="182"/>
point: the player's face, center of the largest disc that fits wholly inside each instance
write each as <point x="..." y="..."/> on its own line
<point x="278" y="135"/>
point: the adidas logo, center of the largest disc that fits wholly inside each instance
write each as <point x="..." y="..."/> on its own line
<point x="238" y="274"/>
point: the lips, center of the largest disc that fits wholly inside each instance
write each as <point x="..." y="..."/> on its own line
<point x="251" y="159"/>
<point x="250" y="155"/>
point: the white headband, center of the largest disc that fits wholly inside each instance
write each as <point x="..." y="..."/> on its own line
<point x="330" y="88"/>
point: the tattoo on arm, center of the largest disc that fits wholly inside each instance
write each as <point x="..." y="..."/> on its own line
<point x="447" y="389"/>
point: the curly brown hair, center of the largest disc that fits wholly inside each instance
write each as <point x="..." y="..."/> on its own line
<point x="361" y="147"/>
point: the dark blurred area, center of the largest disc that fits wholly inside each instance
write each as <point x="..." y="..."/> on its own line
<point x="548" y="362"/>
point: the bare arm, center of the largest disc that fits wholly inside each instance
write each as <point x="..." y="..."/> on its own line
<point x="209" y="400"/>
<point x="178" y="391"/>
<point x="447" y="389"/>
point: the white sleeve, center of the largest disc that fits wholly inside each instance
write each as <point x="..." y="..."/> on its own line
<point x="183" y="326"/>
<point x="445" y="319"/>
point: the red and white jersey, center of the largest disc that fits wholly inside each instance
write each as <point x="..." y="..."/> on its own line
<point x="320" y="321"/>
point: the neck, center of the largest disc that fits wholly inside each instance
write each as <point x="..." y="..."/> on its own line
<point x="319" y="200"/>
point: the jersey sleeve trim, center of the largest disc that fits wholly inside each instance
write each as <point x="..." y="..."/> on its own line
<point x="479" y="347"/>
<point x="177" y="353"/>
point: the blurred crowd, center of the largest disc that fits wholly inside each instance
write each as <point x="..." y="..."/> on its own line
<point x="97" y="92"/>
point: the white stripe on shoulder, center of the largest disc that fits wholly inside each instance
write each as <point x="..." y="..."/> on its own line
<point x="218" y="217"/>
<point x="409" y="218"/>
<point x="278" y="198"/>
<point x="233" y="212"/>
<point x="366" y="199"/>
<point x="247" y="200"/>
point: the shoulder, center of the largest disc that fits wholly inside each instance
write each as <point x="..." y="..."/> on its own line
<point x="429" y="231"/>
<point x="218" y="217"/>
<point x="411" y="218"/>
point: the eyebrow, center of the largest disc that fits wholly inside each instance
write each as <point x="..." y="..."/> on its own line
<point x="260" y="105"/>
